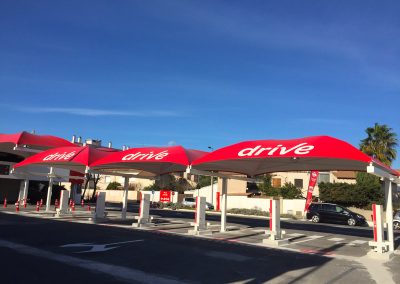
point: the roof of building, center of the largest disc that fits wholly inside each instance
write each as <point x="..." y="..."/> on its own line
<point x="345" y="174"/>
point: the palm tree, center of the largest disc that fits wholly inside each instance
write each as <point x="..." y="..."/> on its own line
<point x="381" y="143"/>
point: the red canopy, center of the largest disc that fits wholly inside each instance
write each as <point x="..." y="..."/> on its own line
<point x="72" y="158"/>
<point x="257" y="157"/>
<point x="155" y="160"/>
<point x="34" y="140"/>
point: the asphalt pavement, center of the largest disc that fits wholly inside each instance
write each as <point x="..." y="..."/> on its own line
<point x="37" y="247"/>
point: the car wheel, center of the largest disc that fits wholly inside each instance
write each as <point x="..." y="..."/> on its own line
<point x="396" y="225"/>
<point x="315" y="219"/>
<point x="351" y="222"/>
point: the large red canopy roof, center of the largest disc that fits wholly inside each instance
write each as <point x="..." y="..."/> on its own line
<point x="72" y="158"/>
<point x="257" y="157"/>
<point x="34" y="140"/>
<point x="154" y="160"/>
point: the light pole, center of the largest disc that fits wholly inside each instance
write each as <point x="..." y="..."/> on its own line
<point x="212" y="181"/>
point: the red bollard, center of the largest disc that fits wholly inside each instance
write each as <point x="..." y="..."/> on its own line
<point x="73" y="206"/>
<point x="88" y="208"/>
<point x="17" y="206"/>
<point x="83" y="202"/>
<point x="25" y="203"/>
<point x="56" y="204"/>
<point x="41" y="203"/>
<point x="5" y="202"/>
<point x="70" y="203"/>
<point x="37" y="206"/>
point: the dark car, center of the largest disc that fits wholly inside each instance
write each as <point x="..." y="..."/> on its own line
<point x="396" y="220"/>
<point x="333" y="213"/>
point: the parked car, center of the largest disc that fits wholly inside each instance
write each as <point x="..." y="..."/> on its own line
<point x="396" y="220"/>
<point x="333" y="213"/>
<point x="191" y="201"/>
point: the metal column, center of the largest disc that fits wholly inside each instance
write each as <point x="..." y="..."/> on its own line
<point x="224" y="203"/>
<point x="125" y="198"/>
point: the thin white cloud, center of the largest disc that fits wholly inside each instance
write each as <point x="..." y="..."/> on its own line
<point x="98" y="112"/>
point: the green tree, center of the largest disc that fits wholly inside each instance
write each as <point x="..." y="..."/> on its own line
<point x="205" y="181"/>
<point x="380" y="143"/>
<point x="113" y="185"/>
<point x="290" y="191"/>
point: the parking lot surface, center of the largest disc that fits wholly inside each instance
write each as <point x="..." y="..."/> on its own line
<point x="39" y="246"/>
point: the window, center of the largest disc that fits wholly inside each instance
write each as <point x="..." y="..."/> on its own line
<point x="323" y="177"/>
<point x="276" y="182"/>
<point x="298" y="182"/>
<point x="107" y="179"/>
<point x="329" y="207"/>
<point x="4" y="170"/>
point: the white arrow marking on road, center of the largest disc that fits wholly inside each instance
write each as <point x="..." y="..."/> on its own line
<point x="100" y="247"/>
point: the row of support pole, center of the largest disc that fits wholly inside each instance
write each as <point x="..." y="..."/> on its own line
<point x="380" y="245"/>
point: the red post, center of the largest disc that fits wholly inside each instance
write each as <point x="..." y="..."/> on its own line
<point x="41" y="202"/>
<point x="70" y="203"/>
<point x="374" y="220"/>
<point x="218" y="198"/>
<point x="5" y="202"/>
<point x="73" y="206"/>
<point x="195" y="210"/>
<point x="37" y="206"/>
<point x="17" y="206"/>
<point x="25" y="203"/>
<point x="88" y="208"/>
<point x="270" y="215"/>
<point x="56" y="204"/>
<point x="83" y="203"/>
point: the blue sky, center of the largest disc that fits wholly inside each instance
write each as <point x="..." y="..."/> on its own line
<point x="199" y="73"/>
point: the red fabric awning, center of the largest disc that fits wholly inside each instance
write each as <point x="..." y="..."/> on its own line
<point x="34" y="140"/>
<point x="154" y="160"/>
<point x="72" y="158"/>
<point x="257" y="157"/>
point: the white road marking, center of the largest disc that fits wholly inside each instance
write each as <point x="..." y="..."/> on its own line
<point x="357" y="242"/>
<point x="123" y="273"/>
<point x="100" y="247"/>
<point x="307" y="239"/>
<point x="336" y="239"/>
<point x="295" y="235"/>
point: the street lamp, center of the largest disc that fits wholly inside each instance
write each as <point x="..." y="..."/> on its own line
<point x="212" y="181"/>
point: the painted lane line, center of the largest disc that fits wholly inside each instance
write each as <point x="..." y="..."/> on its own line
<point x="128" y="275"/>
<point x="336" y="239"/>
<point x="295" y="235"/>
<point x="357" y="242"/>
<point x="99" y="247"/>
<point x="309" y="238"/>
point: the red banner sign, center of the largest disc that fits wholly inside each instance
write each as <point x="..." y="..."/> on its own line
<point x="165" y="195"/>
<point x="311" y="185"/>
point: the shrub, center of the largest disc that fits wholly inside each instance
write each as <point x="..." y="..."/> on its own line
<point x="357" y="195"/>
<point x="290" y="191"/>
<point x="113" y="185"/>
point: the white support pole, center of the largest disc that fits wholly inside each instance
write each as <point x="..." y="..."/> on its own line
<point x="100" y="205"/>
<point x="200" y="225"/>
<point x="26" y="188"/>
<point x="275" y="233"/>
<point x="49" y="190"/>
<point x="378" y="244"/>
<point x="63" y="203"/>
<point x="212" y="190"/>
<point x="389" y="213"/>
<point x="144" y="217"/>
<point x="125" y="198"/>
<point x="224" y="203"/>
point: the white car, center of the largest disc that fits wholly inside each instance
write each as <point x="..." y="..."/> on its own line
<point x="191" y="201"/>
